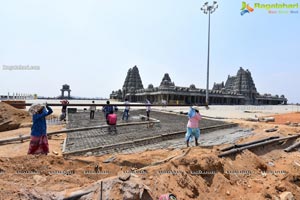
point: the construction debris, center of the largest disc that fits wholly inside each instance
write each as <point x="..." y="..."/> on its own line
<point x="294" y="124"/>
<point x="55" y="152"/>
<point x="252" y="119"/>
<point x="287" y="123"/>
<point x="286" y="196"/>
<point x="109" y="160"/>
<point x="271" y="130"/>
<point x="267" y="119"/>
<point x="124" y="176"/>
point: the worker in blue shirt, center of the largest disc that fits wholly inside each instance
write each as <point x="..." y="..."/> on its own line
<point x="39" y="141"/>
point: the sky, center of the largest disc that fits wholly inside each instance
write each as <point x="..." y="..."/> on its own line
<point x="91" y="44"/>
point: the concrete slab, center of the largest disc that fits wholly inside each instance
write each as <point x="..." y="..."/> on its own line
<point x="80" y="140"/>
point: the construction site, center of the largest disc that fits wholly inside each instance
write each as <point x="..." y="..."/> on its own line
<point x="248" y="152"/>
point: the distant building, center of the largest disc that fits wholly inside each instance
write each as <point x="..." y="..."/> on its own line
<point x="65" y="88"/>
<point x="16" y="96"/>
<point x="237" y="90"/>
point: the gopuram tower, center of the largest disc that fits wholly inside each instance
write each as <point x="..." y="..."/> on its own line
<point x="132" y="83"/>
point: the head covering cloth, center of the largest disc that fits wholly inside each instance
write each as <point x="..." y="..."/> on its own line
<point x="35" y="108"/>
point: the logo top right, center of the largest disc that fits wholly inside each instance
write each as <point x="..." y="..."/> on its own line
<point x="246" y="8"/>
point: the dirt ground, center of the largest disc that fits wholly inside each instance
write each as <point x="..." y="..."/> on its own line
<point x="287" y="118"/>
<point x="189" y="173"/>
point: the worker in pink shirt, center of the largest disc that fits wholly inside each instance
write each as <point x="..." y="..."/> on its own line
<point x="112" y="118"/>
<point x="112" y="121"/>
<point x="193" y="125"/>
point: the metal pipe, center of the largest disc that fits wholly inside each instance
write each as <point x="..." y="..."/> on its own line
<point x="101" y="189"/>
<point x="249" y="143"/>
<point x="207" y="78"/>
<point x="233" y="151"/>
<point x="290" y="148"/>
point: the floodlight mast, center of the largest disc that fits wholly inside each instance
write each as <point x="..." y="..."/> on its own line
<point x="208" y="9"/>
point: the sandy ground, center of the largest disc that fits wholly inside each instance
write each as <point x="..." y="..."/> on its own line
<point x="287" y="118"/>
<point x="263" y="173"/>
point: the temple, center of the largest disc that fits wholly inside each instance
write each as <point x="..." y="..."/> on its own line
<point x="237" y="90"/>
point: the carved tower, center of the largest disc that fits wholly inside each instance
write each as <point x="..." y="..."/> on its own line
<point x="132" y="82"/>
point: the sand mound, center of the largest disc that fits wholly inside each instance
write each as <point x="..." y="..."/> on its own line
<point x="11" y="118"/>
<point x="189" y="174"/>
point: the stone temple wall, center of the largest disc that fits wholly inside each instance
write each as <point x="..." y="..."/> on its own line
<point x="239" y="89"/>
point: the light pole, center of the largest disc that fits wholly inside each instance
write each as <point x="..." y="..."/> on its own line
<point x="208" y="9"/>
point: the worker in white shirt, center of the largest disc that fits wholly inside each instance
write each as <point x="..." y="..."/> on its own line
<point x="92" y="110"/>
